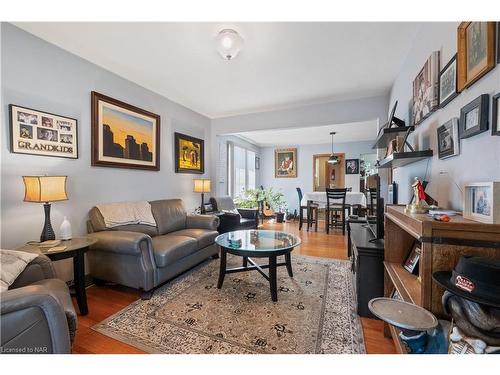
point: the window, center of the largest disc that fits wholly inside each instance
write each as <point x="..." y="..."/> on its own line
<point x="241" y="170"/>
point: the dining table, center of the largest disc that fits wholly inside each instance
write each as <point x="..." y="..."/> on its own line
<point x="352" y="198"/>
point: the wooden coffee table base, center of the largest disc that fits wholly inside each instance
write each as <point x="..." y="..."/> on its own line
<point x="272" y="266"/>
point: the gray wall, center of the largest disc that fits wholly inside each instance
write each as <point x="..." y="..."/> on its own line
<point x="39" y="75"/>
<point x="479" y="159"/>
<point x="304" y="178"/>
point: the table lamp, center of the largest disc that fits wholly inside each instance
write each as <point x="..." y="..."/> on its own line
<point x="202" y="185"/>
<point x="45" y="189"/>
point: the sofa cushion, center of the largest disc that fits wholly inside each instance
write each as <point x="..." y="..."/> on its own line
<point x="170" y="215"/>
<point x="204" y="237"/>
<point x="98" y="225"/>
<point x="169" y="248"/>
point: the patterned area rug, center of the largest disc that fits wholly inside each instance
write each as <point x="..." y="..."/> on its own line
<point x="314" y="312"/>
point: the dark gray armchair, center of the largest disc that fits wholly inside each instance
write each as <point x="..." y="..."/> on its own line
<point x="37" y="315"/>
<point x="232" y="218"/>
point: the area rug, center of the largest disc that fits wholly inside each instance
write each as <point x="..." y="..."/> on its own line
<point x="314" y="313"/>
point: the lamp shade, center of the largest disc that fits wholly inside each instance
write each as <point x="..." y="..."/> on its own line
<point x="201" y="185"/>
<point x="44" y="188"/>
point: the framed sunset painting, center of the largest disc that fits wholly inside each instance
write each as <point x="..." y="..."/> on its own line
<point x="124" y="136"/>
<point x="189" y="154"/>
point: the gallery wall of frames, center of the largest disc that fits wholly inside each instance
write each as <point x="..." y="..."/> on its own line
<point x="454" y="106"/>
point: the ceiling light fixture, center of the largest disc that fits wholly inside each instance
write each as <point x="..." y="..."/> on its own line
<point x="333" y="158"/>
<point x="229" y="43"/>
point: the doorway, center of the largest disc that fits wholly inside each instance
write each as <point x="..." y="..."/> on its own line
<point x="326" y="175"/>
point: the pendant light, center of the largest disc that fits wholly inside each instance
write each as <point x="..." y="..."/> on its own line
<point x="333" y="158"/>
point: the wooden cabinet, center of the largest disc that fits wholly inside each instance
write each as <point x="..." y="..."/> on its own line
<point x="442" y="244"/>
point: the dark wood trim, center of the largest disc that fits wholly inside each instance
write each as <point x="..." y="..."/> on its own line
<point x="95" y="98"/>
<point x="11" y="135"/>
<point x="463" y="82"/>
<point x="496" y="110"/>
<point x="177" y="138"/>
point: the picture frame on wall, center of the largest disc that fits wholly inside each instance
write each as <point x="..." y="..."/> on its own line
<point x="495" y="118"/>
<point x="35" y="132"/>
<point x="285" y="163"/>
<point x="481" y="202"/>
<point x="498" y="42"/>
<point x="448" y="139"/>
<point x="257" y="163"/>
<point x="448" y="82"/>
<point x="124" y="136"/>
<point x="474" y="117"/>
<point x="476" y="51"/>
<point x="189" y="154"/>
<point x="352" y="166"/>
<point x="426" y="89"/>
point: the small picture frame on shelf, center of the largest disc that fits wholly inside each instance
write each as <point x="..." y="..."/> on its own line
<point x="395" y="295"/>
<point x="482" y="202"/>
<point x="411" y="263"/>
<point x="448" y="140"/>
<point x="448" y="82"/>
<point x="474" y="117"/>
<point x="495" y="119"/>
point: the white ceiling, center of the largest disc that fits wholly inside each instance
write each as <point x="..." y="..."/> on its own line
<point x="352" y="132"/>
<point x="282" y="64"/>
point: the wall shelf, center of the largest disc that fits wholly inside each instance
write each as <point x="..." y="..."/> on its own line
<point x="399" y="159"/>
<point x="388" y="134"/>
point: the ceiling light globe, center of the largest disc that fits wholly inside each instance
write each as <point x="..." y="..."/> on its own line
<point x="229" y="43"/>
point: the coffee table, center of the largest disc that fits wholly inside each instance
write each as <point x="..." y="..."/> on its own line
<point x="257" y="244"/>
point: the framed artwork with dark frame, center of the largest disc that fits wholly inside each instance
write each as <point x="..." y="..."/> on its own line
<point x="448" y="140"/>
<point x="285" y="162"/>
<point x="40" y="133"/>
<point x="412" y="261"/>
<point x="474" y="117"/>
<point x="448" y="82"/>
<point x="495" y="118"/>
<point x="124" y="136"/>
<point x="498" y="42"/>
<point x="189" y="154"/>
<point x="476" y="51"/>
<point x="352" y="166"/>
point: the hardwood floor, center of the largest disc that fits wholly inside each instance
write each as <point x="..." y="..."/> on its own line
<point x="104" y="301"/>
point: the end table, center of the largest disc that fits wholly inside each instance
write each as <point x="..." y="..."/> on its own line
<point x="75" y="248"/>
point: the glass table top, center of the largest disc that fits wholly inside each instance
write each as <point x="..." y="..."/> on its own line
<point x="257" y="240"/>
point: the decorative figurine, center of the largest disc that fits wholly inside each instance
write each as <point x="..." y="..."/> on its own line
<point x="419" y="205"/>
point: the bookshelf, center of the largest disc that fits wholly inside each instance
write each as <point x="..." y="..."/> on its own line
<point x="442" y="244"/>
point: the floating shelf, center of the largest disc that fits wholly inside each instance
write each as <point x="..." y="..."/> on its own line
<point x="388" y="134"/>
<point x="399" y="159"/>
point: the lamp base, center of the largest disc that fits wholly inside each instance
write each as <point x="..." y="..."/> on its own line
<point x="47" y="232"/>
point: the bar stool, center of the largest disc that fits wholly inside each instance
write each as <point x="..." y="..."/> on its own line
<point x="335" y="207"/>
<point x="309" y="219"/>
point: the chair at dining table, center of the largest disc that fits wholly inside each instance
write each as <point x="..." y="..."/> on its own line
<point x="311" y="214"/>
<point x="372" y="200"/>
<point x="335" y="204"/>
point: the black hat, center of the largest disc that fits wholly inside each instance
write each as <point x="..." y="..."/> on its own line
<point x="474" y="278"/>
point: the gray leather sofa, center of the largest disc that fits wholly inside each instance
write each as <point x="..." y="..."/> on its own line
<point x="143" y="256"/>
<point x="37" y="315"/>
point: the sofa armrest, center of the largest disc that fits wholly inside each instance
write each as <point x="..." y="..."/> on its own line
<point x="33" y="321"/>
<point x="249" y="213"/>
<point x="38" y="269"/>
<point x="202" y="222"/>
<point x="122" y="242"/>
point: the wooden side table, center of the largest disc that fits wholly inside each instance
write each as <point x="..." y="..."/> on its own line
<point x="75" y="248"/>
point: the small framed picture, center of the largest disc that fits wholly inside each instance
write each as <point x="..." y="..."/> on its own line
<point x="474" y="117"/>
<point x="352" y="166"/>
<point x="448" y="140"/>
<point x="495" y="122"/>
<point x="448" y="82"/>
<point x="482" y="202"/>
<point x="189" y="154"/>
<point x="411" y="263"/>
<point x="40" y="133"/>
<point x="257" y="163"/>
